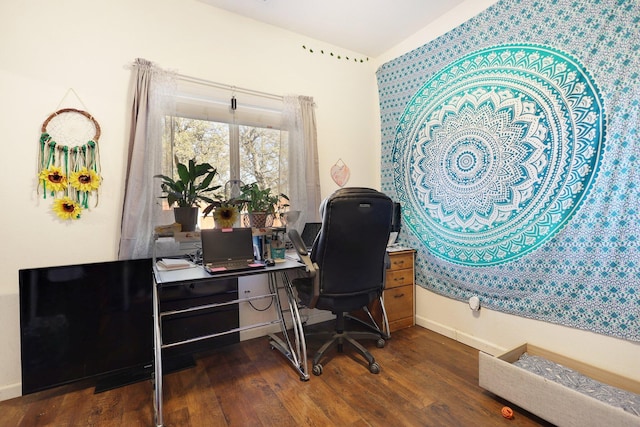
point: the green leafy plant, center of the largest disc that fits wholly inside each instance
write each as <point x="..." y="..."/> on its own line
<point x="256" y="199"/>
<point x="193" y="185"/>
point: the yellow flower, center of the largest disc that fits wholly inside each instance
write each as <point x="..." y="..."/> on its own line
<point x="66" y="208"/>
<point x="225" y="216"/>
<point x="53" y="179"/>
<point x="84" y="180"/>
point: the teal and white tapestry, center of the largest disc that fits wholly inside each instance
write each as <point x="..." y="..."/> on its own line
<point x="512" y="143"/>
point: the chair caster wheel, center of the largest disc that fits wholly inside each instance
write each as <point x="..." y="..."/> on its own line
<point x="317" y="370"/>
<point x="380" y="343"/>
<point x="374" y="368"/>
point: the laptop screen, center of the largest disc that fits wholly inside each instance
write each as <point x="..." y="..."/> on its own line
<point x="227" y="244"/>
<point x="309" y="233"/>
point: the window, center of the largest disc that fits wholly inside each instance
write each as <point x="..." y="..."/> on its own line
<point x="245" y="144"/>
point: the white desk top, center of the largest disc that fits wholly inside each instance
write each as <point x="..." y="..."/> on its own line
<point x="174" y="277"/>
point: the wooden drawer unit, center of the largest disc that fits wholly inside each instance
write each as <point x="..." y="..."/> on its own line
<point x="401" y="260"/>
<point x="397" y="278"/>
<point x="399" y="290"/>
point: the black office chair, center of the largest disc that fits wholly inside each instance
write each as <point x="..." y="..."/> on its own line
<point x="347" y="263"/>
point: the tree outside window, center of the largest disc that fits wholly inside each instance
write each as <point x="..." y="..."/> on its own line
<point x="248" y="153"/>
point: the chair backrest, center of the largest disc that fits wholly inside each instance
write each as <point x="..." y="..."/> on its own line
<point x="351" y="247"/>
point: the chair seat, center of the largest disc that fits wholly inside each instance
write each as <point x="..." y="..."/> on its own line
<point x="344" y="303"/>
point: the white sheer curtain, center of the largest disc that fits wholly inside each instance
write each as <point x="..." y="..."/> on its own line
<point x="304" y="175"/>
<point x="153" y="99"/>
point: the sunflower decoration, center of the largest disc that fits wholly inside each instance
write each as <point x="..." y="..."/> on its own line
<point x="225" y="215"/>
<point x="67" y="208"/>
<point x="53" y="179"/>
<point x="69" y="162"/>
<point x="84" y="180"/>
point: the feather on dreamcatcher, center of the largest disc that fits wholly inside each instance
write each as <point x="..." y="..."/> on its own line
<point x="69" y="163"/>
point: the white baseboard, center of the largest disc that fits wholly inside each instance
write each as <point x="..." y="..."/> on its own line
<point x="10" y="391"/>
<point x="454" y="334"/>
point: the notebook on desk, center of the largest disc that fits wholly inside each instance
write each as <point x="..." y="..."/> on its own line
<point x="309" y="233"/>
<point x="228" y="250"/>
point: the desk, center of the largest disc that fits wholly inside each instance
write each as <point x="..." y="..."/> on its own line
<point x="292" y="347"/>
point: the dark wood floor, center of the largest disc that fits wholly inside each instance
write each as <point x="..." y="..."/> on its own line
<point x="425" y="380"/>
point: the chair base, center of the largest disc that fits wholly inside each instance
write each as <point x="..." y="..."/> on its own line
<point x="340" y="337"/>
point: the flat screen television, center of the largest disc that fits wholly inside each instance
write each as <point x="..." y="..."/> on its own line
<point x="86" y="322"/>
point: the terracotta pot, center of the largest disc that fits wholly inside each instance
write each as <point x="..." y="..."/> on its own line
<point x="260" y="219"/>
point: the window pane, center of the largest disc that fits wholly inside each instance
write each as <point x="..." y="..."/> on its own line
<point x="203" y="141"/>
<point x="261" y="154"/>
<point x="264" y="158"/>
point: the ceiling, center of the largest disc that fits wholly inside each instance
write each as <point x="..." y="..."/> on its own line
<point x="368" y="27"/>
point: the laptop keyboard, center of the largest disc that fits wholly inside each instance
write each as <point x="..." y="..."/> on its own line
<point x="229" y="265"/>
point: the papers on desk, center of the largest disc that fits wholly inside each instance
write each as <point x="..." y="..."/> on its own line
<point x="397" y="248"/>
<point x="174" y="264"/>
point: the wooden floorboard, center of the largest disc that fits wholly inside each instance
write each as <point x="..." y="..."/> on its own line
<point x="425" y="380"/>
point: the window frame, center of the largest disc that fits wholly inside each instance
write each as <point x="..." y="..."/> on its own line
<point x="254" y="111"/>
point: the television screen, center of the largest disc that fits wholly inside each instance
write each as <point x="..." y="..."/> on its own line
<point x="85" y="321"/>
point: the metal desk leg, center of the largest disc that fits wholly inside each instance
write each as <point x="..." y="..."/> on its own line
<point x="372" y="324"/>
<point x="385" y="320"/>
<point x="298" y="330"/>
<point x="296" y="354"/>
<point x="297" y="326"/>
<point x="157" y="362"/>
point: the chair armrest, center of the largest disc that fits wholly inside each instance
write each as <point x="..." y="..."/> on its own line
<point x="310" y="266"/>
<point x="298" y="243"/>
<point x="303" y="254"/>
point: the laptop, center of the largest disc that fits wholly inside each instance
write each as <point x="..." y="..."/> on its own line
<point x="309" y="233"/>
<point x="228" y="250"/>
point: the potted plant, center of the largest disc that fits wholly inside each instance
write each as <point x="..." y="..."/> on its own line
<point x="193" y="186"/>
<point x="260" y="204"/>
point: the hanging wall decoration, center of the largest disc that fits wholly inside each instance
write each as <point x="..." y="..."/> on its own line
<point x="335" y="55"/>
<point x="69" y="167"/>
<point x="497" y="152"/>
<point x="512" y="144"/>
<point x="340" y="173"/>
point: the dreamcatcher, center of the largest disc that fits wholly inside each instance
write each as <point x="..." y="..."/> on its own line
<point x="69" y="167"/>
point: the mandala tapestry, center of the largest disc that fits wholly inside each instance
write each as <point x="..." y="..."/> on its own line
<point x="509" y="143"/>
<point x="496" y="151"/>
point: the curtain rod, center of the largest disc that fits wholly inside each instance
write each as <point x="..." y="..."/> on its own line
<point x="228" y="87"/>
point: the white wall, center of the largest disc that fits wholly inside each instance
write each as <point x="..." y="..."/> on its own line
<point x="49" y="47"/>
<point x="493" y="331"/>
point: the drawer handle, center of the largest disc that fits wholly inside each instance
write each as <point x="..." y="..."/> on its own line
<point x="396" y="263"/>
<point x="398" y="279"/>
<point x="398" y="295"/>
